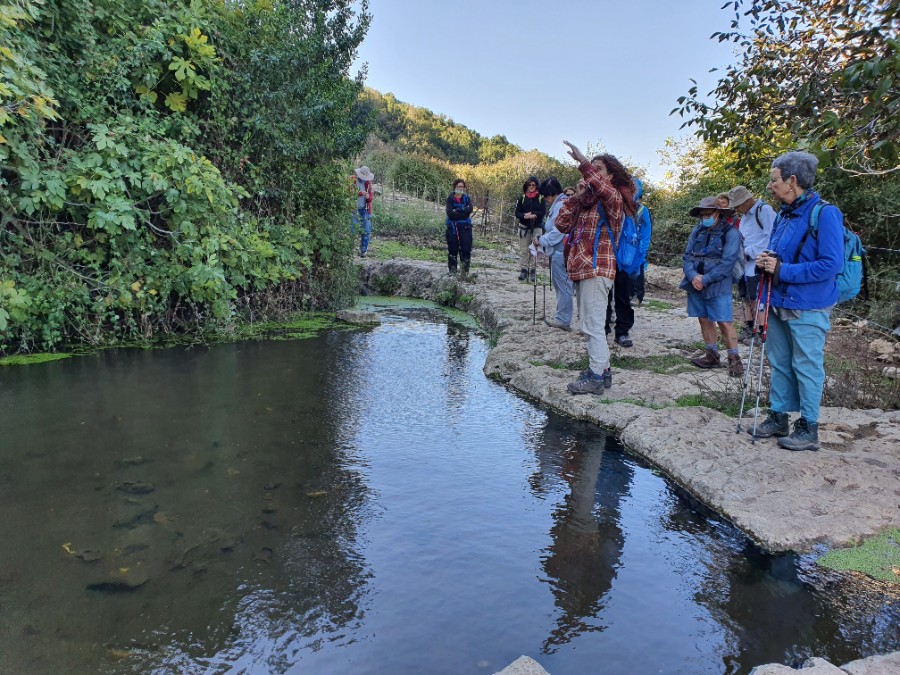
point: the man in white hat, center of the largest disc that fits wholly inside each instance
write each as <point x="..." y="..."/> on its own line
<point x="363" y="215"/>
<point x="757" y="220"/>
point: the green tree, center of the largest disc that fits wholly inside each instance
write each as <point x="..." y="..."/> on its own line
<point x="170" y="166"/>
<point x="822" y="75"/>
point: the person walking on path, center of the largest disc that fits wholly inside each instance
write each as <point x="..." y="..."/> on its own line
<point x="530" y="214"/>
<point x="712" y="250"/>
<point x="362" y="218"/>
<point x="553" y="244"/>
<point x="623" y="288"/>
<point x="804" y="265"/>
<point x="757" y="220"/>
<point x="459" y="228"/>
<point x="592" y="219"/>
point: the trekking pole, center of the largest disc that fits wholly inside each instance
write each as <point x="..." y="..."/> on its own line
<point x="533" y="275"/>
<point x="748" y="378"/>
<point x="762" y="351"/>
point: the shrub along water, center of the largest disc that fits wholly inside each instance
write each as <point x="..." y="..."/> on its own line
<point x="171" y="166"/>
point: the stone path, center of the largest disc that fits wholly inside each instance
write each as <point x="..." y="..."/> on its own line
<point x="848" y="490"/>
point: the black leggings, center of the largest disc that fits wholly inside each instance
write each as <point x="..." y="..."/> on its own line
<point x="620" y="295"/>
<point x="459" y="241"/>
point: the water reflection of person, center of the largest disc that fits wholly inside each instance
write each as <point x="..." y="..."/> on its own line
<point x="456" y="367"/>
<point x="583" y="559"/>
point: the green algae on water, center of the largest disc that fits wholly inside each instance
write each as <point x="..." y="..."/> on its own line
<point x="31" y="359"/>
<point x="878" y="557"/>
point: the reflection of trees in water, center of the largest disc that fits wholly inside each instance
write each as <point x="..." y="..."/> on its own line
<point x="776" y="608"/>
<point x="581" y="562"/>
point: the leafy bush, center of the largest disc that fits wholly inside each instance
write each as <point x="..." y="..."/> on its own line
<point x="172" y="166"/>
<point x="414" y="174"/>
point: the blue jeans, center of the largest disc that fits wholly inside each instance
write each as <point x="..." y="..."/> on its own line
<point x="796" y="351"/>
<point x="564" y="288"/>
<point x="363" y="216"/>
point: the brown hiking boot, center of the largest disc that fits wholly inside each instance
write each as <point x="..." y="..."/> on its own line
<point x="735" y="365"/>
<point x="710" y="359"/>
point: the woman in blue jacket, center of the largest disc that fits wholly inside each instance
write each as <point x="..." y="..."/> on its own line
<point x="803" y="266"/>
<point x="459" y="228"/>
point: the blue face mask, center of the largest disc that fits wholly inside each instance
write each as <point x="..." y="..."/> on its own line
<point x="709" y="221"/>
<point x="460" y="191"/>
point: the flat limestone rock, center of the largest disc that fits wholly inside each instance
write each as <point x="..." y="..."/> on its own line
<point x="888" y="664"/>
<point x="359" y="318"/>
<point x="785" y="501"/>
<point x="524" y="665"/>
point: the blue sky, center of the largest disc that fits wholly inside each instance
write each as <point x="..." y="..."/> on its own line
<point x="541" y="71"/>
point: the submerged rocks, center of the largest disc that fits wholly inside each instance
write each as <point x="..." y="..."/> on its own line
<point x="119" y="580"/>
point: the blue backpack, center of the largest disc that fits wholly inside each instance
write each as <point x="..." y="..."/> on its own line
<point x="852" y="275"/>
<point x="627" y="249"/>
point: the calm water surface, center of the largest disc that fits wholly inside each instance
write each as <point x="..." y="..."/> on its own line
<point x="366" y="503"/>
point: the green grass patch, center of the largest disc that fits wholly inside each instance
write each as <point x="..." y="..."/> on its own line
<point x="657" y="305"/>
<point x="724" y="401"/>
<point x="298" y="327"/>
<point x="663" y="364"/>
<point x="389" y="249"/>
<point x="878" y="558"/>
<point x="31" y="359"/>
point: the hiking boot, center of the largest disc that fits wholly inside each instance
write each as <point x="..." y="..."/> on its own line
<point x="587" y="383"/>
<point x="532" y="276"/>
<point x="607" y="378"/>
<point x="746" y="335"/>
<point x="735" y="365"/>
<point x="775" y="425"/>
<point x="362" y="254"/>
<point x="523" y="275"/>
<point x="710" y="359"/>
<point x="553" y="323"/>
<point x="804" y="437"/>
<point x="624" y="340"/>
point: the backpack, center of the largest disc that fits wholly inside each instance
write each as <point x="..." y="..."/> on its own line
<point x="853" y="272"/>
<point x="627" y="248"/>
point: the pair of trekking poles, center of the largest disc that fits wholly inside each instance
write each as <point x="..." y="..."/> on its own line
<point x="760" y="331"/>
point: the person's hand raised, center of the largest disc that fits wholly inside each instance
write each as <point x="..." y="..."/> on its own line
<point x="575" y="153"/>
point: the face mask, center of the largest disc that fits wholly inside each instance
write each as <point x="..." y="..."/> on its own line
<point x="709" y="221"/>
<point x="460" y="191"/>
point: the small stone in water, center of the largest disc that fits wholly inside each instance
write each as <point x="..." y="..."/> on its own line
<point x="135" y="487"/>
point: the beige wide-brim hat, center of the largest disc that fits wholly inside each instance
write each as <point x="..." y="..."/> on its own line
<point x="709" y="204"/>
<point x="364" y="173"/>
<point x="738" y="195"/>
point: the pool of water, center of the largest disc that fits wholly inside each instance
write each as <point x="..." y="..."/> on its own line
<point x="367" y="502"/>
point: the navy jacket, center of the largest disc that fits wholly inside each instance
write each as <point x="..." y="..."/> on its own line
<point x="459" y="212"/>
<point x="706" y="245"/>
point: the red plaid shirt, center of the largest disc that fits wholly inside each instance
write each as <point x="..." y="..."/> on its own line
<point x="580" y="215"/>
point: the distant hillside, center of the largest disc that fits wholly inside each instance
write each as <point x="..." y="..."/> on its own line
<point x="412" y="130"/>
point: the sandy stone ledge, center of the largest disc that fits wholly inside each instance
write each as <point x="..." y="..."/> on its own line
<point x="784" y="501"/>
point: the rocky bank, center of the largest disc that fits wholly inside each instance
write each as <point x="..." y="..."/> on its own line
<point x="785" y="501"/>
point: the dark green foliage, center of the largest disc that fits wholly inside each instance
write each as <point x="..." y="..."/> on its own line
<point x="816" y="75"/>
<point x="171" y="166"/>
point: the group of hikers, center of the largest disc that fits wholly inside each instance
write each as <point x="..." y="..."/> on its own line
<point x="596" y="236"/>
